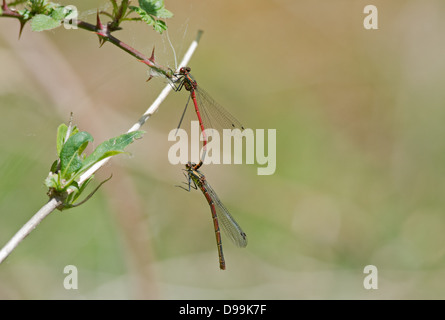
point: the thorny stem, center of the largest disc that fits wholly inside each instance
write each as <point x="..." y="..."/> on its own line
<point x="104" y="33"/>
<point x="54" y="203"/>
<point x="8" y="13"/>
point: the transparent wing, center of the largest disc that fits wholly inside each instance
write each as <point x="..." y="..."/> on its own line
<point x="228" y="224"/>
<point x="214" y="115"/>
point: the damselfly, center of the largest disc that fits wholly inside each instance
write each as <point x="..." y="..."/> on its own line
<point x="209" y="112"/>
<point x="221" y="216"/>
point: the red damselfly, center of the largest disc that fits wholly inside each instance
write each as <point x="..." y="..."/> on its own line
<point x="221" y="216"/>
<point x="209" y="112"/>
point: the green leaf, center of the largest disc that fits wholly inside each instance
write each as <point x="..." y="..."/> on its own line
<point x="115" y="7"/>
<point x="38" y="5"/>
<point x="61" y="134"/>
<point x="51" y="181"/>
<point x="110" y="148"/>
<point x="59" y="13"/>
<point x="54" y="166"/>
<point x="164" y="13"/>
<point x="75" y="187"/>
<point x="149" y="18"/>
<point x="70" y="155"/>
<point x="160" y="26"/>
<point x="25" y="13"/>
<point x="81" y="189"/>
<point x="43" y="22"/>
<point x="1" y="11"/>
<point x="143" y="15"/>
<point x="155" y="8"/>
<point x="151" y="6"/>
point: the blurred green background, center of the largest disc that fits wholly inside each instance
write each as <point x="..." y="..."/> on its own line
<point x="360" y="145"/>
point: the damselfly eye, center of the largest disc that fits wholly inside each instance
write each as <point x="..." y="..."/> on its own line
<point x="188" y="69"/>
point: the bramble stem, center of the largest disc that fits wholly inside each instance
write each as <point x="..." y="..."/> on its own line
<point x="122" y="45"/>
<point x="104" y="31"/>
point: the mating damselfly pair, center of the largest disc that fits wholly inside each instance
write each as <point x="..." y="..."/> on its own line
<point x="207" y="110"/>
<point x="209" y="113"/>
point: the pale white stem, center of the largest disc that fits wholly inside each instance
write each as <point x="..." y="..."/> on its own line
<point x="54" y="203"/>
<point x="49" y="207"/>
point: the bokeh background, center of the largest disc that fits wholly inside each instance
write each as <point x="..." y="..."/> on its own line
<point x="360" y="149"/>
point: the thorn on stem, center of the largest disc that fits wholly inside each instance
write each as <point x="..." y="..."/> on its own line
<point x="150" y="61"/>
<point x="102" y="40"/>
<point x="102" y="31"/>
<point x="152" y="58"/>
<point x="22" y="25"/>
<point x="99" y="24"/>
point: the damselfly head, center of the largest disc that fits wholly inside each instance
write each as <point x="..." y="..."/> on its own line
<point x="189" y="165"/>
<point x="184" y="70"/>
